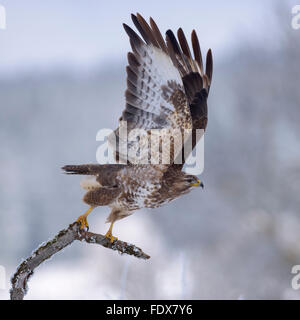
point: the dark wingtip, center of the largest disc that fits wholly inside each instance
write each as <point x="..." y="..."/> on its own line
<point x="169" y="32"/>
<point x="209" y="65"/>
<point x="126" y="28"/>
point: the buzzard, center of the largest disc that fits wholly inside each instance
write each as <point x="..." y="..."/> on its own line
<point x="167" y="89"/>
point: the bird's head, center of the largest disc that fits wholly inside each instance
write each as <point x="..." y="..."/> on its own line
<point x="193" y="181"/>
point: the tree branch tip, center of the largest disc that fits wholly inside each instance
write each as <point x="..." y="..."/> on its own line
<point x="64" y="238"/>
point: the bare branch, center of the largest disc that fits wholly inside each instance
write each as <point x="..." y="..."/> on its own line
<point x="63" y="239"/>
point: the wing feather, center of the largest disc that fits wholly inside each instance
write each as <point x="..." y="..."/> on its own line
<point x="166" y="87"/>
<point x="158" y="36"/>
<point x="197" y="50"/>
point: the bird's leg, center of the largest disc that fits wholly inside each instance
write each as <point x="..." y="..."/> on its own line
<point x="109" y="233"/>
<point x="83" y="219"/>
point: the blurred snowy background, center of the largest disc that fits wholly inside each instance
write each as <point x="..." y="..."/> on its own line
<point x="62" y="78"/>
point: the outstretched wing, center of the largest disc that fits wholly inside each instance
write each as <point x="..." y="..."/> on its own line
<point x="196" y="82"/>
<point x="166" y="90"/>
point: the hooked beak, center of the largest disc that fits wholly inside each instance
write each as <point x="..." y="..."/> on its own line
<point x="198" y="184"/>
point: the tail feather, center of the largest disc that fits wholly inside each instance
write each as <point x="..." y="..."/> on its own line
<point x="88" y="169"/>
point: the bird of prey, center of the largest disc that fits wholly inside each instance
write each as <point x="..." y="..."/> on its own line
<point x="167" y="88"/>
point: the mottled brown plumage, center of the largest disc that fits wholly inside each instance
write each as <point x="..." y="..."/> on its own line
<point x="166" y="89"/>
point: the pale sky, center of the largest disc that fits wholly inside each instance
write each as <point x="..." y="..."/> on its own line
<point x="81" y="34"/>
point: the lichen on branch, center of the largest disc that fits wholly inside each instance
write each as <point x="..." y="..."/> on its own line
<point x="64" y="238"/>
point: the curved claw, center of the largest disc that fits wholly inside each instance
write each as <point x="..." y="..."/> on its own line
<point x="111" y="238"/>
<point x="83" y="219"/>
<point x="83" y="222"/>
<point x="109" y="234"/>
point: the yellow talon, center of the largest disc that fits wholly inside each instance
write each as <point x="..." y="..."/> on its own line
<point x="83" y="222"/>
<point x="109" y="234"/>
<point x="83" y="219"/>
